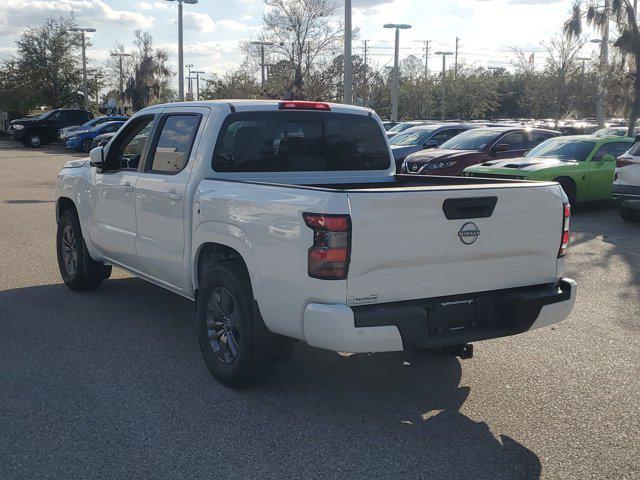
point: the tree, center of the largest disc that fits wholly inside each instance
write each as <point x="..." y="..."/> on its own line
<point x="624" y="16"/>
<point x="238" y="84"/>
<point x="151" y="75"/>
<point x="301" y="31"/>
<point x="48" y="62"/>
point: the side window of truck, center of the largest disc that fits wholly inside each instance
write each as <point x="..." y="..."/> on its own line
<point x="128" y="147"/>
<point x="172" y="149"/>
<point x="613" y="148"/>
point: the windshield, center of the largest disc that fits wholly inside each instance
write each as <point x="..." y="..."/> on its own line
<point x="44" y="115"/>
<point x="411" y="139"/>
<point x="475" y="139"/>
<point x="611" y="132"/>
<point x="563" y="149"/>
<point x="401" y="127"/>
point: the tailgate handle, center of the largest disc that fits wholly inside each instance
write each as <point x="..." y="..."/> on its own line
<point x="463" y="208"/>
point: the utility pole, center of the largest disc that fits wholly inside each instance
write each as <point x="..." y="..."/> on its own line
<point x="426" y="58"/>
<point x="601" y="113"/>
<point x="181" y="47"/>
<point x="84" y="63"/>
<point x="455" y="68"/>
<point x="366" y="75"/>
<point x="348" y="61"/>
<point x="444" y="83"/>
<point x="198" y="73"/>
<point x="262" y="64"/>
<point x="189" y="85"/>
<point x="583" y="59"/>
<point x="120" y="57"/>
<point x="396" y="69"/>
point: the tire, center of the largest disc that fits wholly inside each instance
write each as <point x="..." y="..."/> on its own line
<point x="87" y="145"/>
<point x="569" y="189"/>
<point x="627" y="214"/>
<point x="78" y="270"/>
<point x="225" y="326"/>
<point x="33" y="140"/>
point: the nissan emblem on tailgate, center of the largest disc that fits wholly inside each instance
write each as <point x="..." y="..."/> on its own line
<point x="469" y="233"/>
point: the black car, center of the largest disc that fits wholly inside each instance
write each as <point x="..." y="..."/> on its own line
<point x="41" y="129"/>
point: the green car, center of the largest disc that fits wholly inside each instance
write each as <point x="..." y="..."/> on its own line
<point x="583" y="164"/>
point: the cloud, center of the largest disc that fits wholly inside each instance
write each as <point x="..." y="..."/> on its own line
<point x="202" y="22"/>
<point x="18" y="14"/>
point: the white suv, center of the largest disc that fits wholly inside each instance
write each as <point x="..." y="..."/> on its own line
<point x="626" y="184"/>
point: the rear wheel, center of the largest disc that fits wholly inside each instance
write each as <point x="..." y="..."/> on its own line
<point x="569" y="188"/>
<point x="78" y="270"/>
<point x="225" y="331"/>
<point x="627" y="214"/>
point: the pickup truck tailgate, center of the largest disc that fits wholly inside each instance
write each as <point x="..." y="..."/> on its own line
<point x="404" y="247"/>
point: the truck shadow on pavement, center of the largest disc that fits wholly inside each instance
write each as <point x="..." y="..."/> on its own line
<point x="111" y="384"/>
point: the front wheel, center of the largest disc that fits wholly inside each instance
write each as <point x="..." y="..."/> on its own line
<point x="33" y="140"/>
<point x="78" y="270"/>
<point x="225" y="331"/>
<point x="87" y="145"/>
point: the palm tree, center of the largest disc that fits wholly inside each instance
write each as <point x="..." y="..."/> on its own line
<point x="623" y="13"/>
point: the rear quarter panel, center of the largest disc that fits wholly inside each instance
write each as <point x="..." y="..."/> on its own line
<point x="265" y="225"/>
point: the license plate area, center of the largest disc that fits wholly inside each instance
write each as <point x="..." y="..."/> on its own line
<point x="461" y="317"/>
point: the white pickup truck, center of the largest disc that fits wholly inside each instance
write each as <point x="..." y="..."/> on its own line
<point x="285" y="221"/>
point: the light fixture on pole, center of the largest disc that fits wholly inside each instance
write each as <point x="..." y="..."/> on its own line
<point x="396" y="73"/>
<point x="198" y="73"/>
<point x="261" y="44"/>
<point x="180" y="47"/>
<point x="84" y="62"/>
<point x="444" y="83"/>
<point x="120" y="56"/>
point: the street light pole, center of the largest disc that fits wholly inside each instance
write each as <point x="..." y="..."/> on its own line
<point x="262" y="44"/>
<point x="189" y="86"/>
<point x="396" y="68"/>
<point x="180" y="47"/>
<point x="198" y="73"/>
<point x="120" y="57"/>
<point x="348" y="62"/>
<point x="84" y="62"/>
<point x="444" y="83"/>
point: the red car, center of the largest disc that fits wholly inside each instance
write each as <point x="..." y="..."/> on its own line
<point x="475" y="146"/>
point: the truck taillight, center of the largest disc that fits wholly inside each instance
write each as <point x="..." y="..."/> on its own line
<point x="329" y="256"/>
<point x="566" y="215"/>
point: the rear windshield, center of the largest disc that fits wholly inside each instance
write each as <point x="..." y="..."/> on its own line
<point x="293" y="141"/>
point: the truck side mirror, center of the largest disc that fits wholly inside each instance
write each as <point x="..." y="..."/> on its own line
<point x="96" y="157"/>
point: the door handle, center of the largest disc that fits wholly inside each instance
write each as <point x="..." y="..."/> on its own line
<point x="127" y="187"/>
<point x="173" y="195"/>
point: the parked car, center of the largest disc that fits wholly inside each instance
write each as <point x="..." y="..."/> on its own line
<point x="402" y="126"/>
<point x="285" y="220"/>
<point x="388" y="124"/>
<point x="423" y="137"/>
<point x="614" y="132"/>
<point x="583" y="164"/>
<point x="102" y="139"/>
<point x="39" y="130"/>
<point x="82" y="140"/>
<point x="476" y="146"/>
<point x="626" y="183"/>
<point x="66" y="132"/>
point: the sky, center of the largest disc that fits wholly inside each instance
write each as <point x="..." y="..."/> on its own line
<point x="213" y="29"/>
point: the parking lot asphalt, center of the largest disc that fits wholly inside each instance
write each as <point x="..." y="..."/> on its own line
<point x="110" y="384"/>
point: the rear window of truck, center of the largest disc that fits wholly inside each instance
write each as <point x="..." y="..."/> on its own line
<point x="294" y="141"/>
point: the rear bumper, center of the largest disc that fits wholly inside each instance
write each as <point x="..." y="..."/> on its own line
<point x="426" y="323"/>
<point x="622" y="193"/>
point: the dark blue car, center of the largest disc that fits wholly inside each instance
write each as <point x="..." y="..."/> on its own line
<point x="82" y="140"/>
<point x="66" y="132"/>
